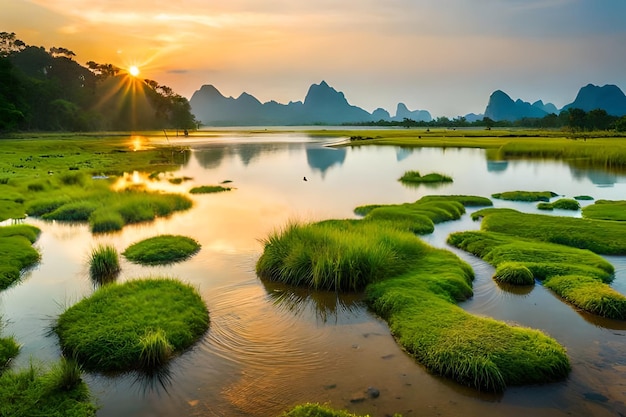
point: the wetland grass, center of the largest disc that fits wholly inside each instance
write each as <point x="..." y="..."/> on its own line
<point x="104" y="264"/>
<point x="161" y="250"/>
<point x="514" y="273"/>
<point x="208" y="189"/>
<point x="415" y="288"/>
<point x="318" y="410"/>
<point x="599" y="236"/>
<point x="16" y="252"/>
<point x="606" y="210"/>
<point x="560" y="204"/>
<point x="8" y="350"/>
<point x="59" y="392"/>
<point x="525" y="195"/>
<point x="414" y="177"/>
<point x="157" y="313"/>
<point x="578" y="276"/>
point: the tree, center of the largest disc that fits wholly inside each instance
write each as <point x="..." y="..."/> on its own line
<point x="620" y="124"/>
<point x="577" y="119"/>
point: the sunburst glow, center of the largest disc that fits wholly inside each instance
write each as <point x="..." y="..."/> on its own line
<point x="134" y="71"/>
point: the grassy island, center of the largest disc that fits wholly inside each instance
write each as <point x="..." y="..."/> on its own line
<point x="163" y="249"/>
<point x="415" y="178"/>
<point x="560" y="204"/>
<point x="525" y="195"/>
<point x="16" y="252"/>
<point x="208" y="189"/>
<point x="599" y="236"/>
<point x="415" y="288"/>
<point x="606" y="210"/>
<point x="138" y="324"/>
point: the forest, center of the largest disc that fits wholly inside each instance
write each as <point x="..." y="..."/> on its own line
<point x="48" y="90"/>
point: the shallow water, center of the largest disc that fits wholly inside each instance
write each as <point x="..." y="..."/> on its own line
<point x="270" y="347"/>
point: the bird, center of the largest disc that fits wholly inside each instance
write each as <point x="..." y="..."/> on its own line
<point x="304" y="179"/>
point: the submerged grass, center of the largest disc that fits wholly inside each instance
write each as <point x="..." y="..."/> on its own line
<point x="415" y="288"/>
<point x="525" y="195"/>
<point x="59" y="392"/>
<point x="16" y="252"/>
<point x="163" y="249"/>
<point x="599" y="236"/>
<point x="109" y="330"/>
<point x="606" y="210"/>
<point x="104" y="264"/>
<point x="579" y="276"/>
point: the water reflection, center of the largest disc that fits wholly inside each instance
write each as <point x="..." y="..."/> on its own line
<point x="322" y="158"/>
<point x="328" y="306"/>
<point x="155" y="380"/>
<point x="600" y="178"/>
<point x="497" y="166"/>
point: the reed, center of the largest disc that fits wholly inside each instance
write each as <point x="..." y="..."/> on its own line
<point x="162" y="249"/>
<point x="101" y="338"/>
<point x="104" y="264"/>
<point x="606" y="210"/>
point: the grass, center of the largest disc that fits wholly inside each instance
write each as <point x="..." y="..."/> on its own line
<point x="415" y="288"/>
<point x="599" y="236"/>
<point x="59" y="392"/>
<point x="124" y="326"/>
<point x="207" y="189"/>
<point x="16" y="252"/>
<point x="525" y="195"/>
<point x="163" y="249"/>
<point x="8" y="350"/>
<point x="318" y="410"/>
<point x="414" y="177"/>
<point x="421" y="216"/>
<point x="606" y="210"/>
<point x="104" y="264"/>
<point x="561" y="204"/>
<point x="578" y="276"/>
<point x="514" y="273"/>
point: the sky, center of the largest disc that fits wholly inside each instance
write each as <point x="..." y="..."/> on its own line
<point x="444" y="56"/>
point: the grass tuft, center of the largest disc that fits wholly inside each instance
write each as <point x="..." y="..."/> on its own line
<point x="156" y="350"/>
<point x="104" y="264"/>
<point x="525" y="195"/>
<point x="514" y="273"/>
<point x="414" y="177"/>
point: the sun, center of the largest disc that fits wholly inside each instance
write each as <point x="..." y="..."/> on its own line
<point x="134" y="71"/>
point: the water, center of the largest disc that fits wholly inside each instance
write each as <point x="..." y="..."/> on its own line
<point x="270" y="347"/>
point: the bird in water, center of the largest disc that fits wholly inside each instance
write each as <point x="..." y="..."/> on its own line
<point x="304" y="179"/>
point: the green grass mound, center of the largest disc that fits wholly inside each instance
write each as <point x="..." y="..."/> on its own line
<point x="59" y="392"/>
<point x="419" y="217"/>
<point x="163" y="249"/>
<point x="514" y="273"/>
<point x="599" y="236"/>
<point x="466" y="200"/>
<point x="415" y="288"/>
<point x="133" y="325"/>
<point x="561" y="204"/>
<point x="414" y="177"/>
<point x="317" y="410"/>
<point x="606" y="210"/>
<point x="525" y="195"/>
<point x="16" y="252"/>
<point x="207" y="189"/>
<point x="583" y="198"/>
<point x="578" y="276"/>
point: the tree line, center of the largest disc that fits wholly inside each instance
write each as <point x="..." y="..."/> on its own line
<point x="575" y="120"/>
<point x="47" y="90"/>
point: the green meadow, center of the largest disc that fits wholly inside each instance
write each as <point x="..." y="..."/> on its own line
<point x="606" y="210"/>
<point x="415" y="288"/>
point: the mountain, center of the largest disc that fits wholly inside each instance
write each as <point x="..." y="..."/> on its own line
<point x="502" y="107"/>
<point x="418" y="115"/>
<point x="608" y="97"/>
<point x="322" y="105"/>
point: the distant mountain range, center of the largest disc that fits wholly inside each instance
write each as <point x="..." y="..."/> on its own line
<point x="325" y="105"/>
<point x="322" y="105"/>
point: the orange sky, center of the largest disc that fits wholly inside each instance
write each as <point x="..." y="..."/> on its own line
<point x="445" y="56"/>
